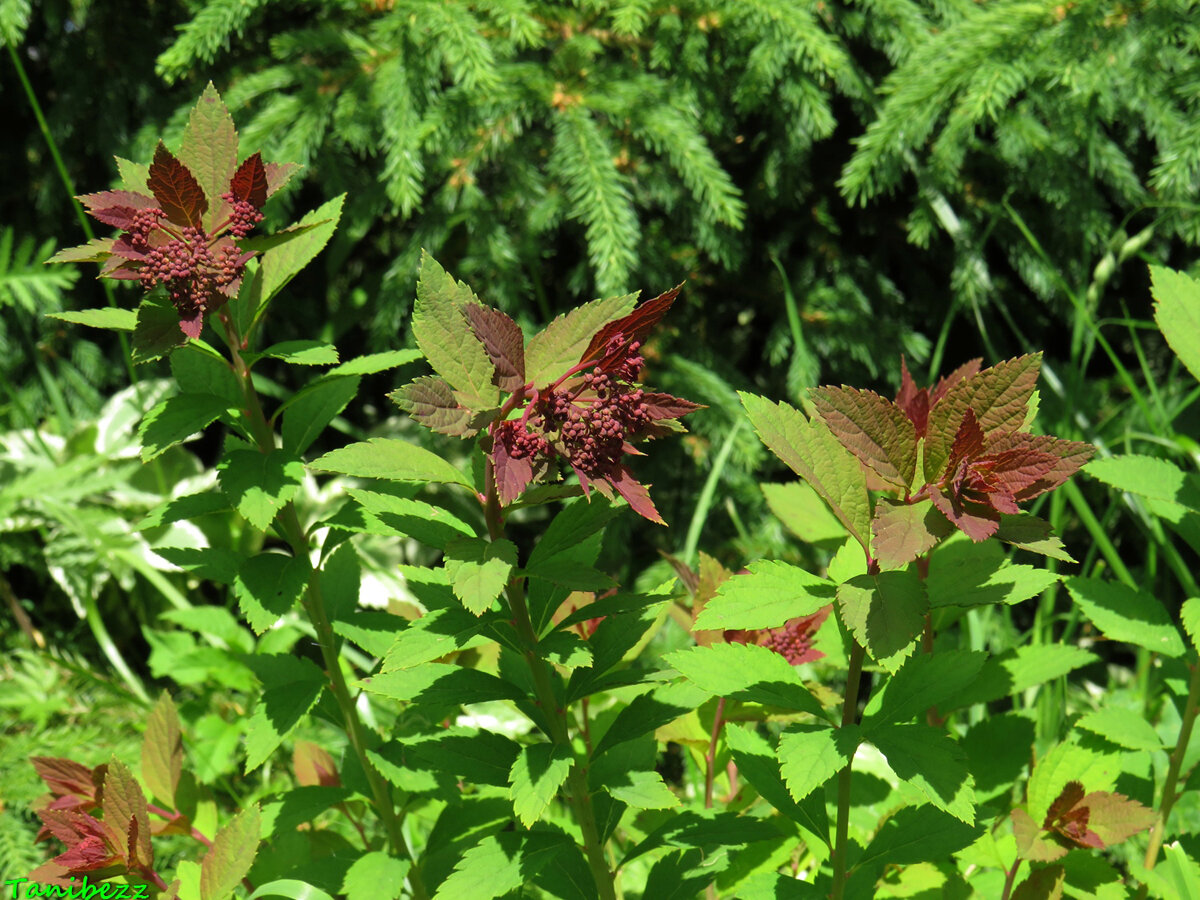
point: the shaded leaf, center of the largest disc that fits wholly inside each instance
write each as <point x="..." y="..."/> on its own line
<point x="900" y="532"/>
<point x="926" y="759"/>
<point x="1177" y="312"/>
<point x="536" y="776"/>
<point x="292" y="686"/>
<point x="162" y="751"/>
<point x="504" y="343"/>
<point x="885" y="612"/>
<point x="259" y="484"/>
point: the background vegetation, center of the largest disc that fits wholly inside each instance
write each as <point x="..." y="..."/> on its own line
<point x="838" y="183"/>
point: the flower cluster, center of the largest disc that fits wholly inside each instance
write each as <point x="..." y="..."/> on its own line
<point x="793" y="641"/>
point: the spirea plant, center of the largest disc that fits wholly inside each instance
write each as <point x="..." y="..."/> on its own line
<point x="507" y="725"/>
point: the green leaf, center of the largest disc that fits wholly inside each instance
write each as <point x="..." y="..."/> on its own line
<point x="963" y="573"/>
<point x="157" y="330"/>
<point x="391" y="460"/>
<point x="931" y="763"/>
<point x="803" y="512"/>
<point x="375" y="875"/>
<point x="259" y="484"/>
<point x="885" y="612"/>
<point x="1017" y="670"/>
<point x="291" y="688"/>
<point x="229" y="858"/>
<point x="375" y="362"/>
<point x="124" y="808"/>
<point x="372" y="630"/>
<point x="162" y="751"/>
<point x="1066" y="762"/>
<point x="770" y="595"/>
<point x="189" y="506"/>
<point x="813" y="453"/>
<point x="574" y="523"/>
<point x="758" y="763"/>
<point x="474" y="755"/>
<point x="175" y="420"/>
<point x="1177" y="312"/>
<point x="429" y="524"/>
<point x="922" y="682"/>
<point x="1123" y="614"/>
<point x="565" y="649"/>
<point x="445" y="336"/>
<point x="1189" y="614"/>
<point x="110" y="318"/>
<point x="209" y="150"/>
<point x="556" y="349"/>
<point x="289" y="888"/>
<point x="268" y="586"/>
<point x="199" y="370"/>
<point x="642" y="790"/>
<point x="705" y="828"/>
<point x="303" y="353"/>
<point x="536" y="776"/>
<point x="809" y="755"/>
<point x="745" y="672"/>
<point x="1124" y="727"/>
<point x="998" y="750"/>
<point x="280" y="264"/>
<point x="873" y="428"/>
<point x="433" y="636"/>
<point x="903" y="531"/>
<point x="499" y="864"/>
<point x="1033" y="534"/>
<point x="918" y="834"/>
<point x="441" y="684"/>
<point x="308" y="412"/>
<point x="650" y="711"/>
<point x="479" y="570"/>
<point x="570" y="575"/>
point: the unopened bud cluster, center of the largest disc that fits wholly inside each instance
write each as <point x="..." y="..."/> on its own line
<point x="191" y="268"/>
<point x="243" y="217"/>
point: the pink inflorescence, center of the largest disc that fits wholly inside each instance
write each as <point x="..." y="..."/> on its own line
<point x="244" y="217"/>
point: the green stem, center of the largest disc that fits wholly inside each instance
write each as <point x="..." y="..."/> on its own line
<point x="65" y="177"/>
<point x="710" y="758"/>
<point x="1167" y="803"/>
<point x="849" y="713"/>
<point x="314" y="605"/>
<point x="578" y="794"/>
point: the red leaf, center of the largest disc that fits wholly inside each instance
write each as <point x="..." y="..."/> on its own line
<point x="967" y="370"/>
<point x="505" y="344"/>
<point x="512" y="475"/>
<point x="1060" y="459"/>
<point x="249" y="182"/>
<point x="967" y="445"/>
<point x="314" y="765"/>
<point x="913" y="400"/>
<point x="901" y="531"/>
<point x="88" y="855"/>
<point x="874" y="429"/>
<point x="116" y="208"/>
<point x="65" y="776"/>
<point x="664" y="406"/>
<point x="635" y="494"/>
<point x="176" y="189"/>
<point x="1115" y="818"/>
<point x="976" y="521"/>
<point x="193" y="324"/>
<point x="633" y="327"/>
<point x="1066" y="801"/>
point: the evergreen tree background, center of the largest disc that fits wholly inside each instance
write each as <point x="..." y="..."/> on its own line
<point x="839" y="183"/>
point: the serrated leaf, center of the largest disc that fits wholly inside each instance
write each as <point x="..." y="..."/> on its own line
<point x="156" y="332"/>
<point x="479" y="570"/>
<point x="375" y="362"/>
<point x="374" y="875"/>
<point x="1123" y="614"/>
<point x="632" y="327"/>
<point x="259" y="484"/>
<point x="175" y="420"/>
<point x="872" y="428"/>
<point x="502" y="341"/>
<point x="200" y="371"/>
<point x="1033" y="534"/>
<point x="929" y="761"/>
<point x="573" y="524"/>
<point x="758" y="763"/>
<point x="536" y="776"/>
<point x="745" y="672"/>
<point x="1177" y="312"/>
<point x="268" y="585"/>
<point x="443" y="333"/>
<point x="999" y="397"/>
<point x="809" y="755"/>
<point x="303" y="353"/>
<point x="900" y="532"/>
<point x="650" y="711"/>
<point x="1124" y="727"/>
<point x="1189" y="614"/>
<point x="1017" y="670"/>
<point x="1116" y="818"/>
<point x="921" y="683"/>
<point x="162" y="751"/>
<point x="209" y="149"/>
<point x="292" y="686"/>
<point x="499" y="864"/>
<point x="560" y="346"/>
<point x="885" y="612"/>
<point x="124" y="808"/>
<point x="967" y="574"/>
<point x="188" y="506"/>
<point x="279" y="265"/>
<point x="96" y="250"/>
<point x="432" y="402"/>
<point x="1063" y="763"/>
<point x="111" y="318"/>
<point x="813" y="453"/>
<point x="231" y="855"/>
<point x="1148" y="476"/>
<point x="441" y="684"/>
<point x="176" y="189"/>
<point x="917" y="834"/>
<point x="249" y="182"/>
<point x="642" y="790"/>
<point x="390" y="460"/>
<point x="1031" y="843"/>
<point x="769" y="595"/>
<point x="308" y="412"/>
<point x="803" y="512"/>
<point x="429" y="524"/>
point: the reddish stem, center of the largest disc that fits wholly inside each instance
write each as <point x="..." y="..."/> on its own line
<point x="175" y="817"/>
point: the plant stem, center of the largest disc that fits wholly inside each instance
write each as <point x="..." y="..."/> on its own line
<point x="1010" y="878"/>
<point x="849" y="713"/>
<point x="314" y="605"/>
<point x="710" y="757"/>
<point x="1167" y="802"/>
<point x="578" y="794"/>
